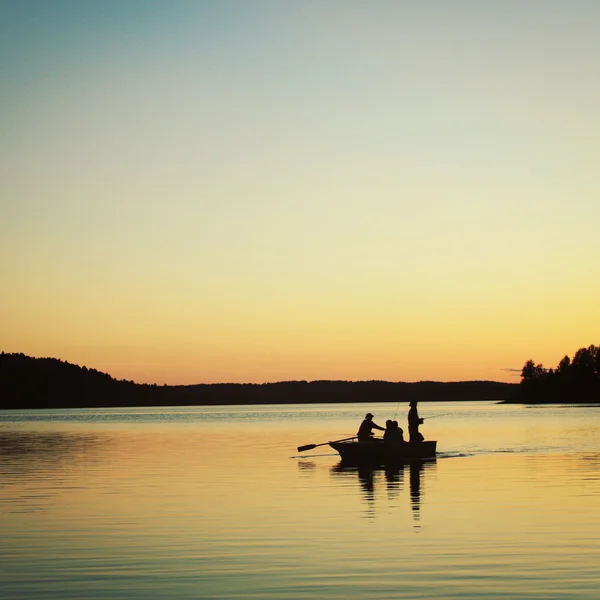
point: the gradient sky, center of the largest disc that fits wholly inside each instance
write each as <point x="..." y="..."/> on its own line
<point x="272" y="190"/>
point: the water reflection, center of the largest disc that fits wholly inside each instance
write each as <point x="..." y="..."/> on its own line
<point x="394" y="477"/>
<point x="366" y="478"/>
<point x="307" y="465"/>
<point x="371" y="478"/>
<point x="24" y="450"/>
<point x="37" y="467"/>
<point x="416" y="469"/>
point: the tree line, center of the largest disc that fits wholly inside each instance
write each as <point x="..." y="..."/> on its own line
<point x="27" y="382"/>
<point x="574" y="379"/>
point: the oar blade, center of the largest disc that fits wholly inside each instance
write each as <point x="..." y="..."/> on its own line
<point x="307" y="447"/>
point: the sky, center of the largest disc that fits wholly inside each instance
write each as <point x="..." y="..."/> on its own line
<point x="255" y="191"/>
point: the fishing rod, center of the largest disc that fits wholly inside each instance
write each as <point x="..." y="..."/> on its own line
<point x="439" y="415"/>
<point x="432" y="417"/>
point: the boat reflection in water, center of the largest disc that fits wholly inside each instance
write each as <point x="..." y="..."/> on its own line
<point x="371" y="480"/>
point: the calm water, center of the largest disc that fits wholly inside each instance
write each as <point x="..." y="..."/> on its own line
<point x="217" y="503"/>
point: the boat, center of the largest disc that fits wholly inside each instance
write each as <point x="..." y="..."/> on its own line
<point x="383" y="453"/>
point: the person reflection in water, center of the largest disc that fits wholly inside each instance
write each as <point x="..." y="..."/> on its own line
<point x="365" y="431"/>
<point x="415" y="489"/>
<point x="413" y="423"/>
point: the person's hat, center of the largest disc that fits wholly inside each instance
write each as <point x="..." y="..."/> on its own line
<point x="368" y="415"/>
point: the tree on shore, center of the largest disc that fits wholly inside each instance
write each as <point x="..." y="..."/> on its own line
<point x="573" y="380"/>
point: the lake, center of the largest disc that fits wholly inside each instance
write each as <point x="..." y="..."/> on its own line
<point x="216" y="502"/>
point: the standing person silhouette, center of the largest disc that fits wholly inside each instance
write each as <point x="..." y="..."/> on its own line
<point x="365" y="431"/>
<point x="413" y="423"/>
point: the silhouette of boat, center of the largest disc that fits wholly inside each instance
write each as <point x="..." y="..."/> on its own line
<point x="383" y="453"/>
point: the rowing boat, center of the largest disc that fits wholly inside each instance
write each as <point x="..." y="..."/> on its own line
<point x="383" y="453"/>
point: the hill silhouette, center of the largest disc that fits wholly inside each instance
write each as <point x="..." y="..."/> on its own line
<point x="28" y="382"/>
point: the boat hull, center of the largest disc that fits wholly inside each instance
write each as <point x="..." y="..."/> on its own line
<point x="384" y="453"/>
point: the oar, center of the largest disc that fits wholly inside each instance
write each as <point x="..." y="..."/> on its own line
<point x="311" y="446"/>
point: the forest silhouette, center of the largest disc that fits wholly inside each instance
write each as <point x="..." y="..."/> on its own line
<point x="573" y="380"/>
<point x="28" y="382"/>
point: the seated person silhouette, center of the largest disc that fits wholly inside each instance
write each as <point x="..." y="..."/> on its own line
<point x="365" y="431"/>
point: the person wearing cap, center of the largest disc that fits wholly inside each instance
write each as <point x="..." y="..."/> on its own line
<point x="413" y="423"/>
<point x="365" y="431"/>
